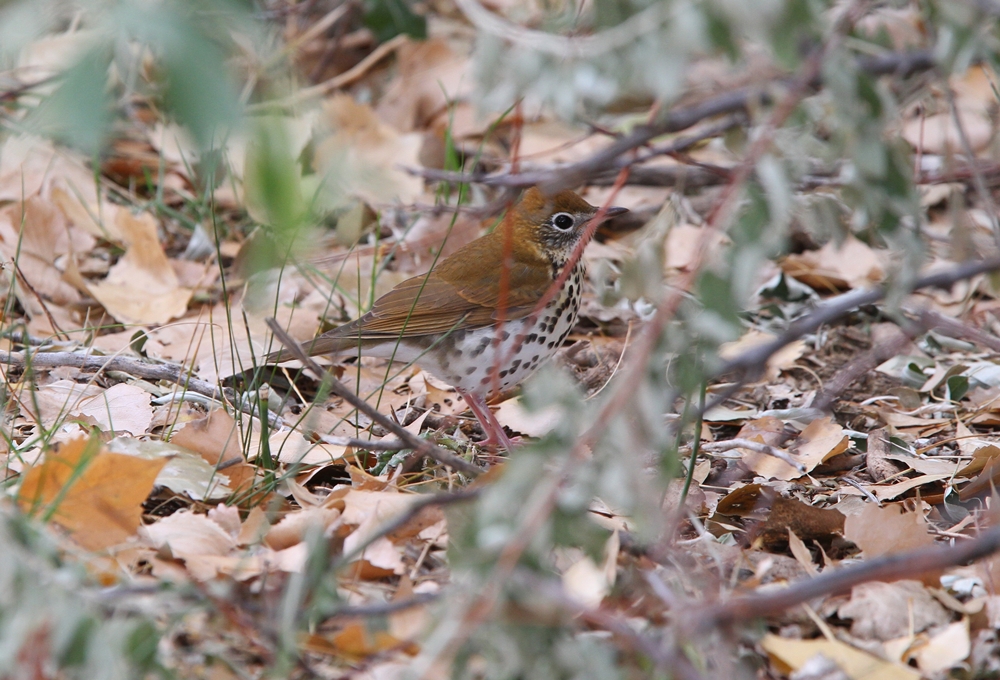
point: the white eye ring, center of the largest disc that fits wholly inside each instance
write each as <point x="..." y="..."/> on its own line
<point x="563" y="221"/>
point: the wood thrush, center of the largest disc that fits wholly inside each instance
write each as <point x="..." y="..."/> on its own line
<point x="472" y="320"/>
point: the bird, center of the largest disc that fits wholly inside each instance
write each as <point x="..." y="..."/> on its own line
<point x="472" y="320"/>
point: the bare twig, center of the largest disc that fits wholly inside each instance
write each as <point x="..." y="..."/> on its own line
<point x="954" y="328"/>
<point x="862" y="364"/>
<point x="88" y="362"/>
<point x="335" y="83"/>
<point x="902" y="565"/>
<point x="173" y="373"/>
<point x="421" y="446"/>
<point x="610" y="173"/>
<point x="367" y="444"/>
<point x="900" y="64"/>
<point x="759" y="447"/>
<point x="750" y="364"/>
<point x="384" y="608"/>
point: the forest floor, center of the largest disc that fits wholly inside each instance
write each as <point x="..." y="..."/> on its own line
<point x="140" y="286"/>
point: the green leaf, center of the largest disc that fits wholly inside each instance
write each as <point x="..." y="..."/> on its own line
<point x="389" y="18"/>
<point x="958" y="386"/>
<point x="78" y="113"/>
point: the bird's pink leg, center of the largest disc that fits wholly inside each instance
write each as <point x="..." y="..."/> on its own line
<point x="491" y="426"/>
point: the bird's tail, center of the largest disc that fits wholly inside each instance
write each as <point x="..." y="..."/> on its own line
<point x="343" y="340"/>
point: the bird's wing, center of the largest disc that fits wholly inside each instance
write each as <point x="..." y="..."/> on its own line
<point x="462" y="292"/>
<point x="512" y="296"/>
<point x="398" y="313"/>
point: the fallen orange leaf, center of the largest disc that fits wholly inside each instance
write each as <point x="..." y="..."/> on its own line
<point x="95" y="495"/>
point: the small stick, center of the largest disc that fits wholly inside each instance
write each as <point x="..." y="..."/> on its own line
<point x="367" y="444"/>
<point x="421" y="446"/>
<point x="759" y="447"/>
<point x="173" y="373"/>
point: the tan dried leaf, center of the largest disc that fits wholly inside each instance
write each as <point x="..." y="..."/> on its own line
<point x="142" y="287"/>
<point x="852" y="264"/>
<point x="188" y="534"/>
<point x="120" y="408"/>
<point x="363" y="155"/>
<point x="946" y="649"/>
<point x="885" y="611"/>
<point x="886" y="531"/>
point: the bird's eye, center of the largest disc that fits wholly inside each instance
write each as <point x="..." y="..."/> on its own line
<point x="563" y="221"/>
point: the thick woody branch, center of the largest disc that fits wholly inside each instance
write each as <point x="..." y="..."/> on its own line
<point x="902" y="565"/>
<point x="752" y="362"/>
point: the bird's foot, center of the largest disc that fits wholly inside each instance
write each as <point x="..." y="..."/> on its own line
<point x="499" y="441"/>
<point x="495" y="436"/>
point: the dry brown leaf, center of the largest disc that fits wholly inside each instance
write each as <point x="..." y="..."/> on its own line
<point x="34" y="235"/>
<point x="216" y="438"/>
<point x="227" y="517"/>
<point x="364" y="155"/>
<point x="767" y="430"/>
<point x="746" y="500"/>
<point x="354" y="641"/>
<point x="431" y="76"/>
<point x="188" y="534"/>
<point x="822" y="439"/>
<point x="364" y="506"/>
<point x="253" y="528"/>
<point x="142" y="287"/>
<point x="858" y="665"/>
<point x="886" y="611"/>
<point x="95" y="495"/>
<point x="974" y="98"/>
<point x="379" y="559"/>
<point x="410" y="623"/>
<point x="887" y="493"/>
<point x="292" y="448"/>
<point x="683" y="246"/>
<point x="852" y="264"/>
<point x="927" y="466"/>
<point x="120" y="408"/>
<point x="968" y="443"/>
<point x="886" y="531"/>
<point x="801" y="553"/>
<point x="294" y="526"/>
<point x="96" y="219"/>
<point x="534" y="423"/>
<point x="56" y="401"/>
<point x="982" y="457"/>
<point x="938" y="133"/>
<point x="806" y="521"/>
<point x="781" y="360"/>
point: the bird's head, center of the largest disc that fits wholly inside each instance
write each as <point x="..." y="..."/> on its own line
<point x="555" y="223"/>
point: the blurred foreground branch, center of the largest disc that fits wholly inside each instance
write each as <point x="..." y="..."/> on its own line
<point x="609" y="159"/>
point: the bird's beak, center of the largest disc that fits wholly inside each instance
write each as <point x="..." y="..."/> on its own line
<point x="614" y="211"/>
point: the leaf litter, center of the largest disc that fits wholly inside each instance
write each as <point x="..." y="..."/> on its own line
<point x="906" y="460"/>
